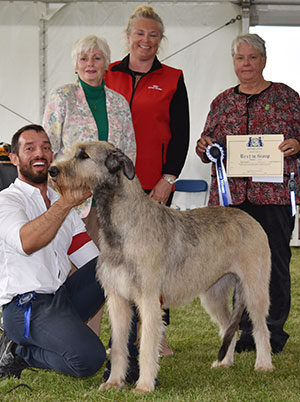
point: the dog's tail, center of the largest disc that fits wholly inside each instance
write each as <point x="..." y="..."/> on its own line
<point x="238" y="308"/>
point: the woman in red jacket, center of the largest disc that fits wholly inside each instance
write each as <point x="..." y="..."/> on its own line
<point x="159" y="106"/>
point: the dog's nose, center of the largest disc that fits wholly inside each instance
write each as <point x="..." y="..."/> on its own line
<point x="53" y="171"/>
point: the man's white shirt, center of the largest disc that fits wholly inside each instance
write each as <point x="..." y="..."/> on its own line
<point x="45" y="270"/>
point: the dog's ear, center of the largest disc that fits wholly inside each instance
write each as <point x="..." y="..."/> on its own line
<point x="117" y="160"/>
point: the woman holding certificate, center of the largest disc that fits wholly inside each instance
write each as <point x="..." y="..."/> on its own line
<point x="260" y="107"/>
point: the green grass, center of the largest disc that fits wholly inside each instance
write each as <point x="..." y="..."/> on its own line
<point x="187" y="375"/>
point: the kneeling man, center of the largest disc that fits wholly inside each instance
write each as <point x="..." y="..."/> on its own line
<point x="44" y="309"/>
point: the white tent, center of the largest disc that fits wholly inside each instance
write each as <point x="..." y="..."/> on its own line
<point x="36" y="38"/>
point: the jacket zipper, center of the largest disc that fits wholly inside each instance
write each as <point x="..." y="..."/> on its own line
<point x="134" y="87"/>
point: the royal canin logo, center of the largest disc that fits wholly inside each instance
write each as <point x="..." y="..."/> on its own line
<point x="155" y="87"/>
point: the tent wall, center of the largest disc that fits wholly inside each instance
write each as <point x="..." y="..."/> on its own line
<point x="207" y="65"/>
<point x="19" y="67"/>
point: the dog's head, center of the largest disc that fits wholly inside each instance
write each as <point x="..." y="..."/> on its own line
<point x="117" y="160"/>
<point x="87" y="165"/>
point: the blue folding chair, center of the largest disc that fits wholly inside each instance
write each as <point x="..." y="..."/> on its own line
<point x="191" y="187"/>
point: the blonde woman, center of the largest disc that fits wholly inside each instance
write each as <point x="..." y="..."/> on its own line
<point x="160" y="112"/>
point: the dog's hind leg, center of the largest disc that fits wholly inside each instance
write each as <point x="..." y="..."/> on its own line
<point x="216" y="302"/>
<point x="120" y="313"/>
<point x="258" y="309"/>
<point x="226" y="352"/>
<point x="151" y="333"/>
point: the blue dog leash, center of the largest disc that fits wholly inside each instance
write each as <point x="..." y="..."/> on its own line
<point x="25" y="301"/>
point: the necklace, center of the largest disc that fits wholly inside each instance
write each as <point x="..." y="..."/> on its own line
<point x="248" y="96"/>
<point x="136" y="76"/>
<point x="257" y="91"/>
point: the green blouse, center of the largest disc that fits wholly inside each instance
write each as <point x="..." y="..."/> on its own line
<point x="96" y="100"/>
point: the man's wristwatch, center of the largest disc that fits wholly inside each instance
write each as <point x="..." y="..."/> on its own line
<point x="171" y="180"/>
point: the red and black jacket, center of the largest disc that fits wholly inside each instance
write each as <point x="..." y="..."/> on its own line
<point x="160" y="114"/>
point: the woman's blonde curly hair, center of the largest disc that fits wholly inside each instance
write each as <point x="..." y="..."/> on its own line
<point x="145" y="12"/>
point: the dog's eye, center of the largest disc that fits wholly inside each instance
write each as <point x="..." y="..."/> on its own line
<point x="82" y="155"/>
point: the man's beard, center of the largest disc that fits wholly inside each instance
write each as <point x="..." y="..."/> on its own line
<point x="37" y="178"/>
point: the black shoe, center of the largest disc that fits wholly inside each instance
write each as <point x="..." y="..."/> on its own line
<point x="106" y="373"/>
<point x="11" y="365"/>
<point x="245" y="344"/>
<point x="244" y="347"/>
<point x="133" y="371"/>
<point x="276" y="347"/>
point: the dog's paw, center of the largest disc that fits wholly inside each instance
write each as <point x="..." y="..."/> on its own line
<point x="143" y="388"/>
<point x="268" y="367"/>
<point x="106" y="386"/>
<point x="222" y="363"/>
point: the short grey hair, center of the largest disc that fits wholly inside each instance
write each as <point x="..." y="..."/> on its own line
<point x="88" y="43"/>
<point x="253" y="40"/>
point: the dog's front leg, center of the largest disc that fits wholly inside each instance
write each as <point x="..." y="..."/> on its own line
<point x="152" y="326"/>
<point x="120" y="313"/>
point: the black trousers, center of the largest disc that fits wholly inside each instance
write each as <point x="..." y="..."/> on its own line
<point x="59" y="337"/>
<point x="278" y="224"/>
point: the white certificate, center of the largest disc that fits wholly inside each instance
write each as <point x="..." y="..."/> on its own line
<point x="254" y="155"/>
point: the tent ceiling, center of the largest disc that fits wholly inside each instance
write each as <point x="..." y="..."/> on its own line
<point x="241" y="2"/>
<point x="278" y="2"/>
<point x="254" y="12"/>
<point x="130" y="1"/>
<point x="276" y="13"/>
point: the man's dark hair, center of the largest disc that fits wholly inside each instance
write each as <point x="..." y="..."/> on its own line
<point x="15" y="138"/>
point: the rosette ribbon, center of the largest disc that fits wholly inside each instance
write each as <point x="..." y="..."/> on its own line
<point x="25" y="301"/>
<point x="292" y="185"/>
<point x="216" y="154"/>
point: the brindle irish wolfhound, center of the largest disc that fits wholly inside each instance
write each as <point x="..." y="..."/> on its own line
<point x="158" y="257"/>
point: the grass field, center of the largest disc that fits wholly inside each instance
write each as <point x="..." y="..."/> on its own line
<point x="186" y="376"/>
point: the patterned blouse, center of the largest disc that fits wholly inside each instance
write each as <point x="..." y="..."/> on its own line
<point x="276" y="110"/>
<point x="68" y="119"/>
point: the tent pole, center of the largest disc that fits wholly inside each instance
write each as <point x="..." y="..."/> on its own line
<point x="42" y="58"/>
<point x="245" y="15"/>
<point x="49" y="13"/>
